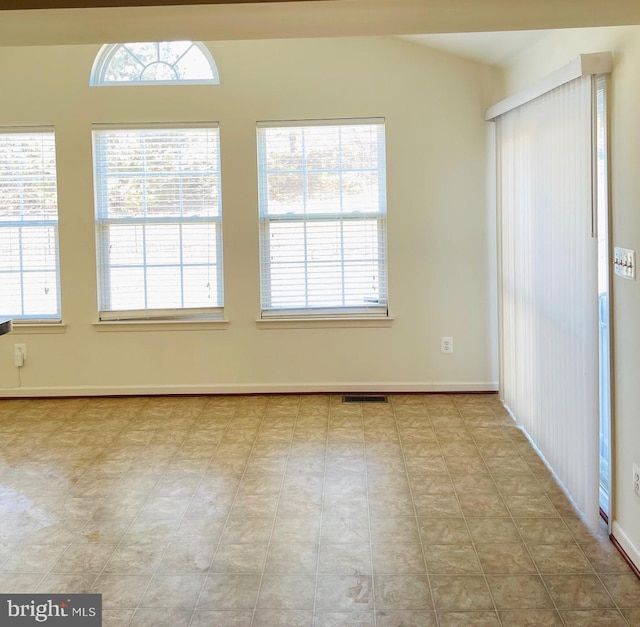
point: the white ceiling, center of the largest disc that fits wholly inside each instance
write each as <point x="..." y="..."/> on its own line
<point x="492" y="48"/>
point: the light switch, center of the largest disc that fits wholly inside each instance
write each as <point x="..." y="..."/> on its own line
<point x="624" y="262"/>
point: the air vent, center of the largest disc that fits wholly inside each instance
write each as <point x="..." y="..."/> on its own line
<point x="365" y="399"/>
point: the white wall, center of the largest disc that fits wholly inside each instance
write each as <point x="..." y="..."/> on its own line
<point x="554" y="51"/>
<point x="441" y="265"/>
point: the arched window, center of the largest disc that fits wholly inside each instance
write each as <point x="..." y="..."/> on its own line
<point x="154" y="63"/>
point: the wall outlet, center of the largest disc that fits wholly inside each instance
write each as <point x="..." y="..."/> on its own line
<point x="636" y="479"/>
<point x="446" y="345"/>
<point x="19" y="354"/>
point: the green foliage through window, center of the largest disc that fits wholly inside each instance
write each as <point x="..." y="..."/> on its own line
<point x="158" y="62"/>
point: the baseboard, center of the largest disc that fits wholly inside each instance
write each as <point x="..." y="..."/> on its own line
<point x="628" y="550"/>
<point x="264" y="388"/>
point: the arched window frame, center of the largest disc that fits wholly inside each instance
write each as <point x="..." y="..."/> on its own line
<point x="108" y="51"/>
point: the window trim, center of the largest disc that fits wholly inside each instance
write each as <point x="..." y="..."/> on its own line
<point x="108" y="51"/>
<point x="330" y="315"/>
<point x="204" y="315"/>
<point x="39" y="320"/>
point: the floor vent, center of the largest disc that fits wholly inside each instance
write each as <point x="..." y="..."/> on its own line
<point x="365" y="399"/>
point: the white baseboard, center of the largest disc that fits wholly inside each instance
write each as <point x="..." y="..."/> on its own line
<point x="633" y="552"/>
<point x="264" y="388"/>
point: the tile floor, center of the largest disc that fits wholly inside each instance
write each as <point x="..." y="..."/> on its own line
<point x="298" y="510"/>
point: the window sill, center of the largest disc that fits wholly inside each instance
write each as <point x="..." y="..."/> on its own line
<point x="337" y="322"/>
<point x="160" y="325"/>
<point x="33" y="328"/>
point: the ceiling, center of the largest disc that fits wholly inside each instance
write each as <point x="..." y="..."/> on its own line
<point x="304" y="18"/>
<point x="496" y="48"/>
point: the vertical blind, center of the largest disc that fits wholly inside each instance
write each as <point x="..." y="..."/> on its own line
<point x="322" y="205"/>
<point x="548" y="276"/>
<point x="158" y="221"/>
<point x="29" y="277"/>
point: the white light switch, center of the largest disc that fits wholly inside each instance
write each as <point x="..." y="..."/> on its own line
<point x="624" y="262"/>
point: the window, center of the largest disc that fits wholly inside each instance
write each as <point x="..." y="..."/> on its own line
<point x="158" y="221"/>
<point x="154" y="63"/>
<point x="322" y="208"/>
<point x="29" y="283"/>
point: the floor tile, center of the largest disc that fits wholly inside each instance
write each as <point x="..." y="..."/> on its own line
<point x="296" y="529"/>
<point x="604" y="558"/>
<point x="287" y="592"/>
<point x="116" y="618"/>
<point x="343" y="619"/>
<point x="405" y="618"/>
<point x="625" y="589"/>
<point x="482" y="505"/>
<point x="62" y="584"/>
<point x="395" y="558"/>
<point x="187" y="557"/>
<point x="229" y="592"/>
<point x="239" y="530"/>
<point x="394" y="529"/>
<point x="543" y="530"/>
<point x="345" y="559"/>
<point x="121" y="591"/>
<point x="164" y="617"/>
<point x="444" y="531"/>
<point x="470" y="619"/>
<point x="134" y="559"/>
<point x="573" y="592"/>
<point x="344" y="592"/>
<point x="530" y="506"/>
<point x="437" y="506"/>
<point x="403" y="592"/>
<point x="513" y="592"/>
<point x="283" y="618"/>
<point x="344" y="529"/>
<point x="560" y="558"/>
<point x="593" y="618"/>
<point x="460" y="592"/>
<point x="502" y="559"/>
<point x="81" y="558"/>
<point x="531" y="618"/>
<point x="222" y="618"/>
<point x="287" y="558"/>
<point x="493" y="530"/>
<point x="239" y="558"/>
<point x="173" y="591"/>
<point x="452" y="559"/>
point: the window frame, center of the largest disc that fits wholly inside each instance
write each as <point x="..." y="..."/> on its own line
<point x="102" y="224"/>
<point x="275" y="314"/>
<point x="38" y="319"/>
<point x="108" y="51"/>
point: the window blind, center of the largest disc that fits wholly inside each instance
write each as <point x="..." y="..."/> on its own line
<point x="158" y="222"/>
<point x="29" y="276"/>
<point x="322" y="207"/>
<point x="548" y="276"/>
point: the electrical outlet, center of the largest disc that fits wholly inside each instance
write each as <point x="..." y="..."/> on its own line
<point x="19" y="354"/>
<point x="636" y="479"/>
<point x="446" y="345"/>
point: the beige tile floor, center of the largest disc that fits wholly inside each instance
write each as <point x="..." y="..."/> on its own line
<point x="298" y="510"/>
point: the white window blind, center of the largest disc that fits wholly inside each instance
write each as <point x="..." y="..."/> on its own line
<point x="29" y="277"/>
<point x="548" y="276"/>
<point x="158" y="222"/>
<point x="322" y="206"/>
